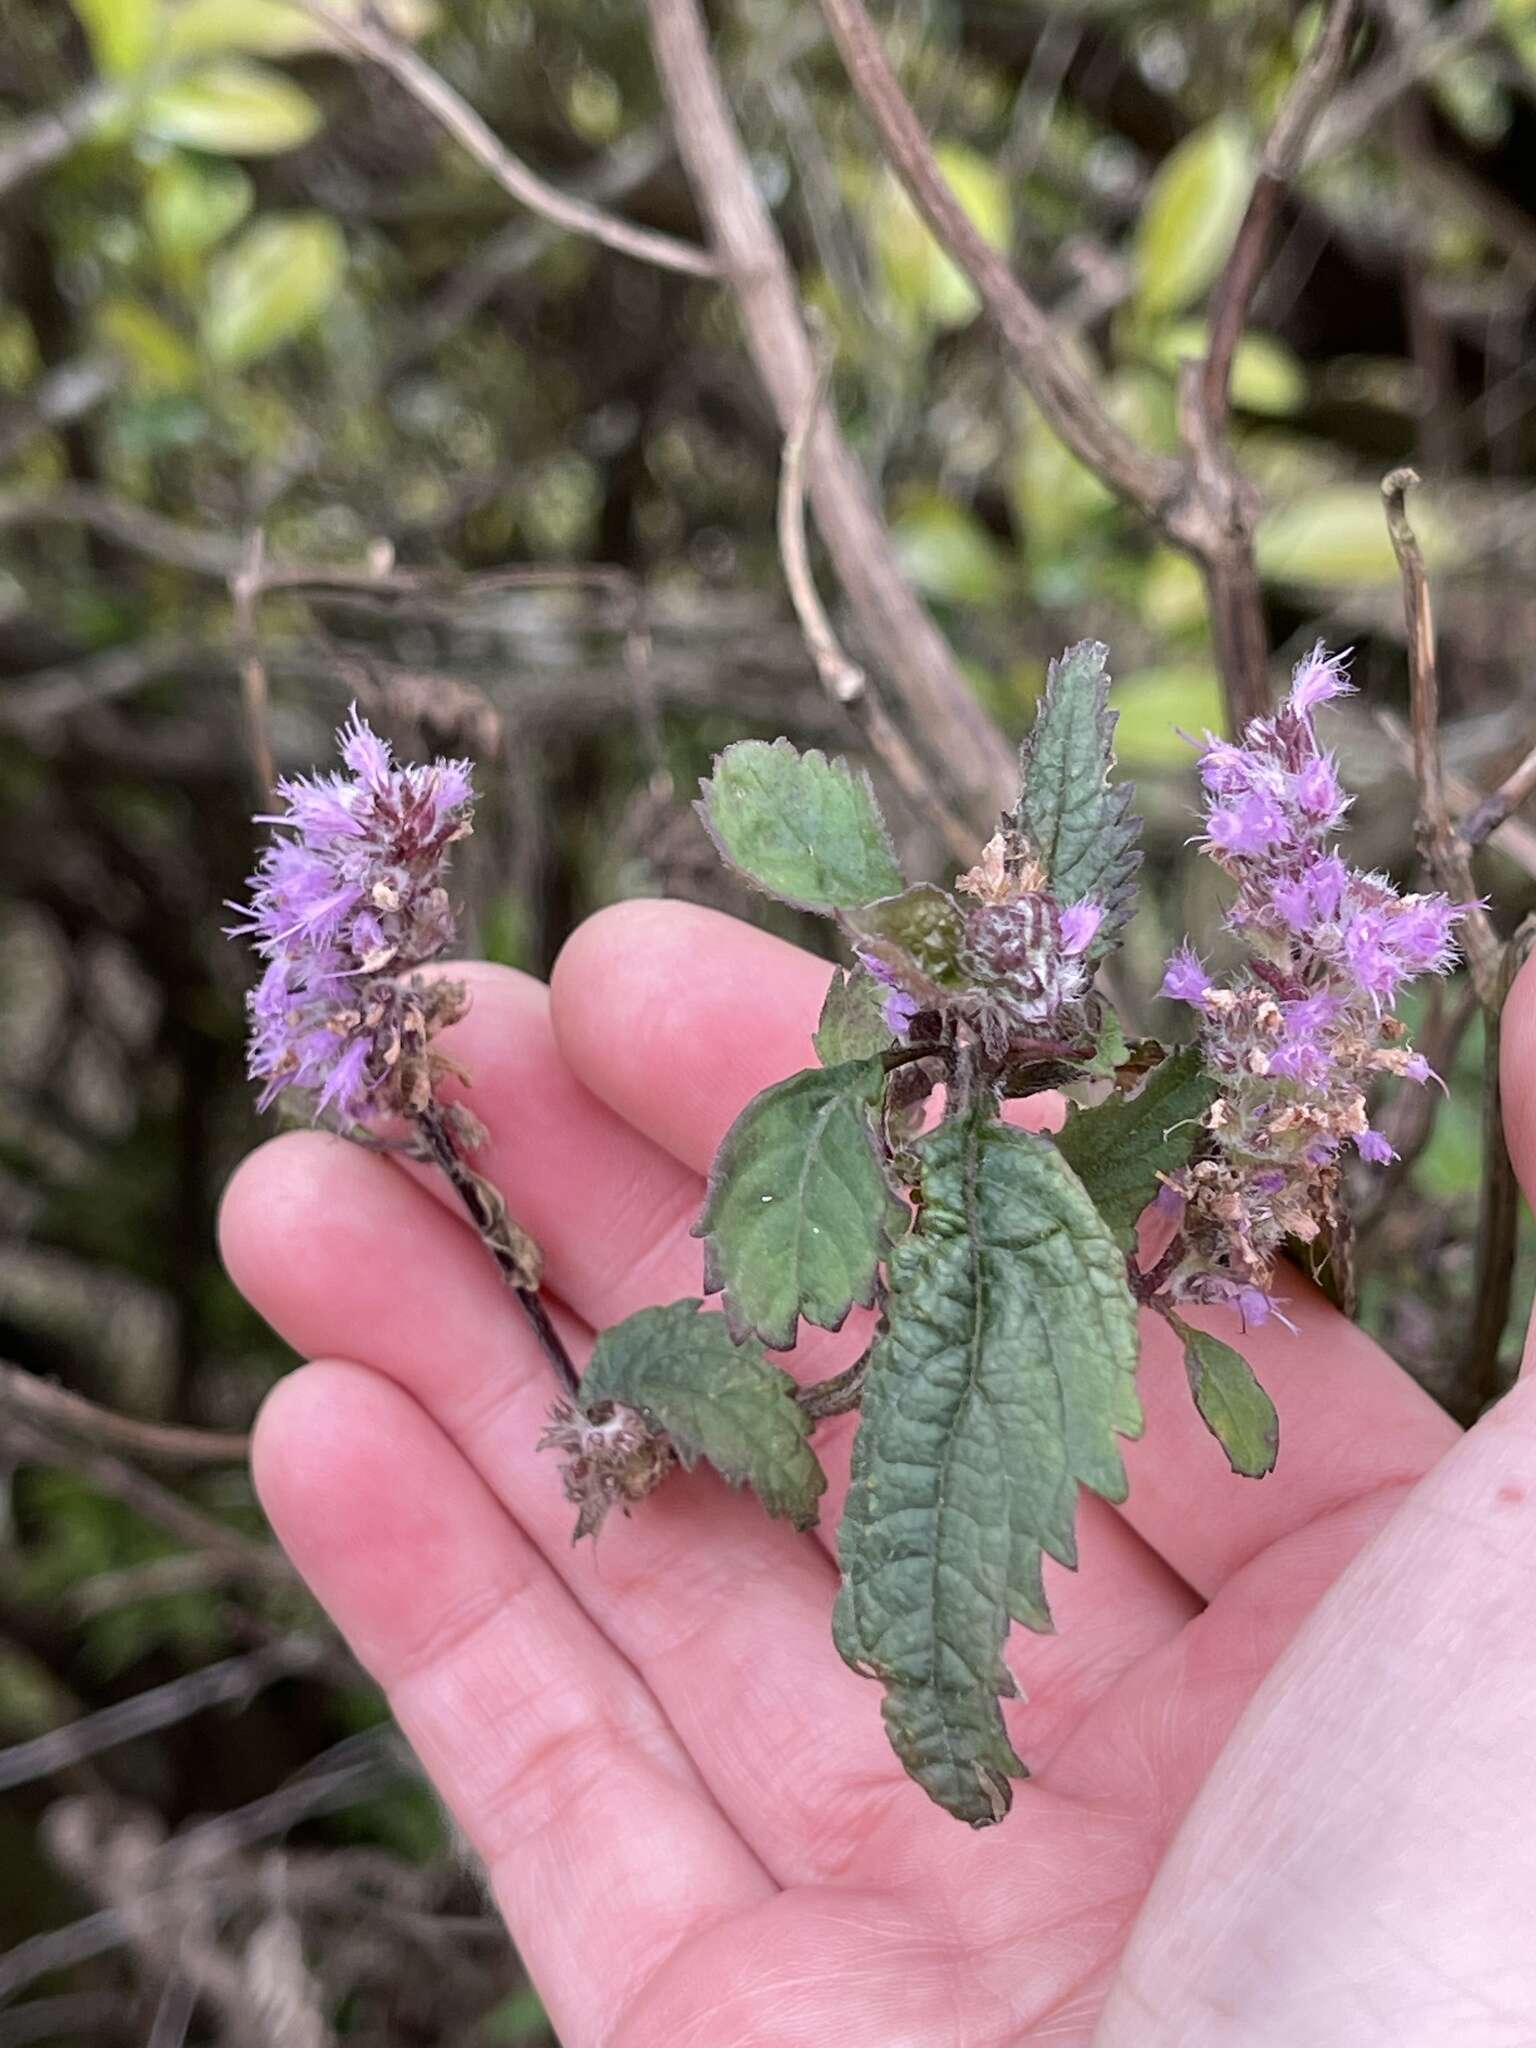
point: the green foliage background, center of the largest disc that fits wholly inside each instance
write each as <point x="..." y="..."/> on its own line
<point x="262" y="293"/>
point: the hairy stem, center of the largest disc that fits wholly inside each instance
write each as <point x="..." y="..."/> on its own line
<point x="838" y="1395"/>
<point x="515" y="1253"/>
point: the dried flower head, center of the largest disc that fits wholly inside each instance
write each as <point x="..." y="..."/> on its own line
<point x="346" y="902"/>
<point x="1297" y="1037"/>
<point x="609" y="1459"/>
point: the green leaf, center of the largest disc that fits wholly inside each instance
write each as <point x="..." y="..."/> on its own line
<point x="919" y="935"/>
<point x="1190" y="216"/>
<point x="121" y="33"/>
<point x="271" y="284"/>
<point x="918" y="277"/>
<point x="231" y="108"/>
<point x="949" y="554"/>
<point x="1336" y="537"/>
<point x="1266" y="377"/>
<point x="193" y="202"/>
<point x="1078" y="821"/>
<point x="1232" y="1404"/>
<point x="272" y="28"/>
<point x="715" y="1399"/>
<point x="852" y="1025"/>
<point x="1118" y="1148"/>
<point x="800" y="827"/>
<point x="799" y="1211"/>
<point x="1006" y="1367"/>
<point x="155" y="355"/>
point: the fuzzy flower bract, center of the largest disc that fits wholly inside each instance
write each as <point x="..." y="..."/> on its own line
<point x="1297" y="1037"/>
<point x="346" y="902"/>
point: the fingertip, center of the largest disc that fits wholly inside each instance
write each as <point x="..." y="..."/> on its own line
<point x="271" y="1193"/>
<point x="1517" y="1076"/>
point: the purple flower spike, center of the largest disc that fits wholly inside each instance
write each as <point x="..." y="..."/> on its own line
<point x="1079" y="926"/>
<point x="346" y="902"/>
<point x="1298" y="1038"/>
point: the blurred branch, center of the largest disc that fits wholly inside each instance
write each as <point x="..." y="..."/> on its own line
<point x="368" y="37"/>
<point x="910" y="650"/>
<point x="57" y="1407"/>
<point x="33" y="704"/>
<point x="1513" y="838"/>
<point x="245" y="588"/>
<point x="1495" y="808"/>
<point x="1437" y="39"/>
<point x="235" y="1681"/>
<point x="842" y="679"/>
<point x="32" y="145"/>
<point x="1231" y="300"/>
<point x="159" y="1578"/>
<point x="57" y="398"/>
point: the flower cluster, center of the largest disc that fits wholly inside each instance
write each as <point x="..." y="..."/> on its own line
<point x="1298" y="1036"/>
<point x="346" y="901"/>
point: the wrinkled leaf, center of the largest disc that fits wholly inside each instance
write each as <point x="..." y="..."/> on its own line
<point x="852" y="1025"/>
<point x="271" y="284"/>
<point x="121" y="33"/>
<point x="1190" y="216"/>
<point x="1078" y="821"/>
<point x="798" y="826"/>
<point x="1118" y="1148"/>
<point x="715" y="1399"/>
<point x="1005" y="1370"/>
<point x="1232" y="1404"/>
<point x="231" y="108"/>
<point x="919" y="936"/>
<point x="799" y="1211"/>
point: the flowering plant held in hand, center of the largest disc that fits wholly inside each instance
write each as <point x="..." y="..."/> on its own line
<point x="1006" y="1268"/>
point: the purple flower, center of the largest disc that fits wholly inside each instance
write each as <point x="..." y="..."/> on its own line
<point x="346" y="902"/>
<point x="1253" y="824"/>
<point x="1185" y="979"/>
<point x="1373" y="1146"/>
<point x="1079" y="926"/>
<point x="1316" y="679"/>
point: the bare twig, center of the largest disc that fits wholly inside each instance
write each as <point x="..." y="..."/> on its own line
<point x="842" y="679"/>
<point x="1499" y="804"/>
<point x="1444" y="852"/>
<point x="57" y="398"/>
<point x="907" y="646"/>
<point x="57" y="1407"/>
<point x="234" y="1681"/>
<point x="254" y="1563"/>
<point x="1073" y="408"/>
<point x="1355" y="113"/>
<point x="1232" y="297"/>
<point x="183" y="1571"/>
<point x="838" y="1395"/>
<point x="367" y="36"/>
<point x="1512" y="837"/>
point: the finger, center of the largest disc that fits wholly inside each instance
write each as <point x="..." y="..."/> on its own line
<point x="605" y="1850"/>
<point x="1360" y="1864"/>
<point x="659" y="1010"/>
<point x="1517" y="1086"/>
<point x="723" y="1612"/>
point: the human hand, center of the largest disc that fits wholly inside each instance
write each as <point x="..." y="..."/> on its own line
<point x="1282" y="1740"/>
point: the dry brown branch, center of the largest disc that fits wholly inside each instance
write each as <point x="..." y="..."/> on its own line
<point x="1144" y="479"/>
<point x="183" y="1571"/>
<point x="368" y="37"/>
<point x="1355" y="113"/>
<point x="1444" y="852"/>
<point x="1512" y="837"/>
<point x="256" y="1564"/>
<point x="842" y="678"/>
<point x="1496" y="808"/>
<point x="1232" y="296"/>
<point x="907" y="646"/>
<point x="57" y="1408"/>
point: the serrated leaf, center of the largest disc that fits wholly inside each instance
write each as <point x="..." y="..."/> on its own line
<point x="1232" y="1404"/>
<point x="1080" y="822"/>
<point x="121" y="33"/>
<point x="271" y="284"/>
<point x="852" y="1025"/>
<point x="799" y="1211"/>
<point x="715" y="1399"/>
<point x="1005" y="1370"/>
<point x="1118" y="1148"/>
<point x="1190" y="216"/>
<point x="798" y="826"/>
<point x="230" y="107"/>
<point x="919" y="936"/>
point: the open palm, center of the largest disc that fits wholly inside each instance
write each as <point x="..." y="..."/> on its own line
<point x="687" y="1804"/>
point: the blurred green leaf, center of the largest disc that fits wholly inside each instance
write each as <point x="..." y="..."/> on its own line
<point x="192" y="202"/>
<point x="1153" y="703"/>
<point x="271" y="28"/>
<point x="231" y="108"/>
<point x="1266" y="377"/>
<point x="271" y="284"/>
<point x="948" y="553"/>
<point x="121" y="33"/>
<point x="1338" y="536"/>
<point x="918" y="276"/>
<point x="158" y="359"/>
<point x="1190" y="216"/>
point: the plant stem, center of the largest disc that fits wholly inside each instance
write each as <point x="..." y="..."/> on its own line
<point x="837" y="1395"/>
<point x="515" y="1253"/>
